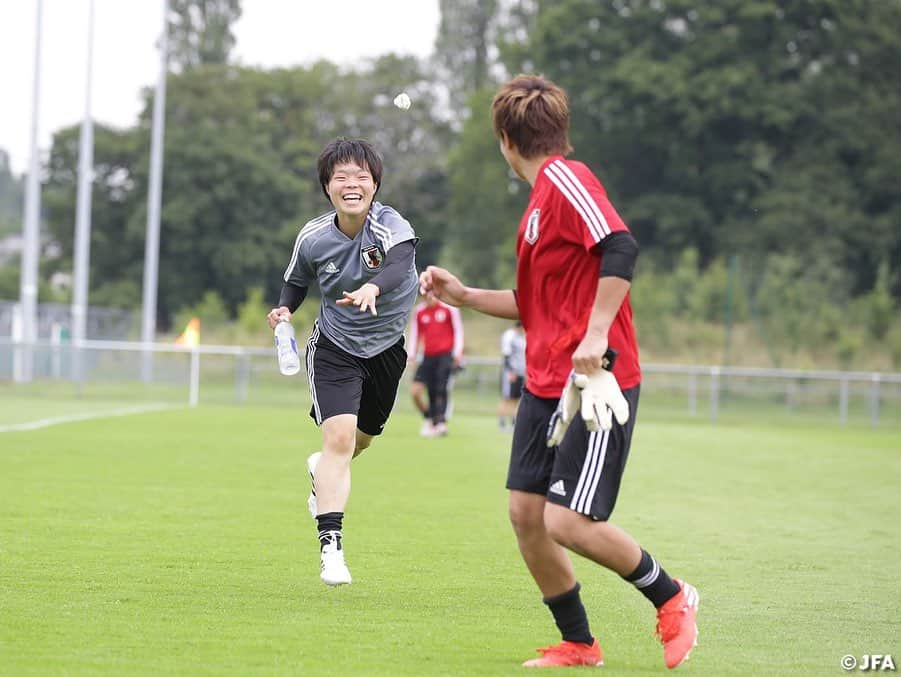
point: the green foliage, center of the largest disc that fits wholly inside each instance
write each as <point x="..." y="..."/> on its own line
<point x="879" y="307"/>
<point x="10" y="276"/>
<point x="210" y="310"/>
<point x="849" y="345"/>
<point x="252" y="311"/>
<point x="893" y="342"/>
<point x="200" y="31"/>
<point x="485" y="205"/>
<point x="11" y="198"/>
<point x="468" y="30"/>
<point x="740" y="126"/>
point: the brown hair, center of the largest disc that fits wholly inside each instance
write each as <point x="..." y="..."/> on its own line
<point x="534" y="114"/>
<point x="342" y="150"/>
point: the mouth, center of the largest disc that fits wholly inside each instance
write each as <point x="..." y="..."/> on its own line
<point x="352" y="198"/>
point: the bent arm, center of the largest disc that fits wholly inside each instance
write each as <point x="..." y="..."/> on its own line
<point x="495" y="302"/>
<point x="398" y="262"/>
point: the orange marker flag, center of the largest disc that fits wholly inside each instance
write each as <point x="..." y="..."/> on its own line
<point x="190" y="337"/>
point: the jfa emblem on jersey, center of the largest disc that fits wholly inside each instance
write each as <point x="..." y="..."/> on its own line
<point x="372" y="256"/>
<point x="532" y="227"/>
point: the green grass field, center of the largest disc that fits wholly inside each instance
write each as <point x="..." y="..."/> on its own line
<point x="178" y="542"/>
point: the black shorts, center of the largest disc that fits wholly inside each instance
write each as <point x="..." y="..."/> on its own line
<point x="511" y="390"/>
<point x="435" y="370"/>
<point x="341" y="383"/>
<point x="584" y="472"/>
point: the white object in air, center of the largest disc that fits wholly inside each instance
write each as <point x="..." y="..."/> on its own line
<point x="403" y="101"/>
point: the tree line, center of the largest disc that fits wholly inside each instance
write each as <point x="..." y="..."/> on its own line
<point x="755" y="130"/>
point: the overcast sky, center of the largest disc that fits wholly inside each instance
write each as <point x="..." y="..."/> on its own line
<point x="270" y="33"/>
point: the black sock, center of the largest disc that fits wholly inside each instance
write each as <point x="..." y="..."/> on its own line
<point x="652" y="581"/>
<point x="570" y="616"/>
<point x="329" y="525"/>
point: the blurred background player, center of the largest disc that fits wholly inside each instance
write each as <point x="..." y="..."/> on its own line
<point x="355" y="354"/>
<point x="438" y="327"/>
<point x="575" y="258"/>
<point x="513" y="374"/>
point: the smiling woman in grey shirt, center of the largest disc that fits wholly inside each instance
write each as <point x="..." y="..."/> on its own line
<point x="361" y="254"/>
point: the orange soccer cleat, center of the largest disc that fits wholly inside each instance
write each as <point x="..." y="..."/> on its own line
<point x="676" y="626"/>
<point x="567" y="654"/>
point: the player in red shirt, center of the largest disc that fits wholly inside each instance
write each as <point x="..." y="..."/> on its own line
<point x="439" y="328"/>
<point x="575" y="258"/>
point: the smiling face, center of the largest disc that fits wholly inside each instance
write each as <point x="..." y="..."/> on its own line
<point x="350" y="171"/>
<point x="351" y="189"/>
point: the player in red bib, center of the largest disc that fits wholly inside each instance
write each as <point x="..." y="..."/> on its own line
<point x="438" y="327"/>
<point x="575" y="258"/>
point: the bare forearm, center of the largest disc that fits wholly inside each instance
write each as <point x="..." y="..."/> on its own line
<point x="607" y="301"/>
<point x="496" y="302"/>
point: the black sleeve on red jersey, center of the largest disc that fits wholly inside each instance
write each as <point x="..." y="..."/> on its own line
<point x="292" y="296"/>
<point x="619" y="252"/>
<point x="397" y="265"/>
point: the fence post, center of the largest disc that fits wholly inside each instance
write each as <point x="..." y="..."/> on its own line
<point x="693" y="392"/>
<point x="843" y="401"/>
<point x="714" y="393"/>
<point x="242" y="377"/>
<point x="194" y="396"/>
<point x="874" y="400"/>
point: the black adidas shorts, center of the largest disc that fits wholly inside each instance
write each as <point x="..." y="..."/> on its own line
<point x="435" y="371"/>
<point x="341" y="383"/>
<point x="584" y="472"/>
<point x="511" y="390"/>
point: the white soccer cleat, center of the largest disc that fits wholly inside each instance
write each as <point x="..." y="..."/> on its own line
<point x="312" y="462"/>
<point x="332" y="569"/>
<point x="427" y="429"/>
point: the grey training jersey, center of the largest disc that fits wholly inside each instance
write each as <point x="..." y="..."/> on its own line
<point x="513" y="347"/>
<point x="322" y="253"/>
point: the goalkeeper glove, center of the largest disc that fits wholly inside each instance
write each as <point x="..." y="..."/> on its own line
<point x="566" y="410"/>
<point x="601" y="397"/>
<point x="596" y="396"/>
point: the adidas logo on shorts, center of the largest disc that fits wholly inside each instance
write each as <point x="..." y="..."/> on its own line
<point x="558" y="488"/>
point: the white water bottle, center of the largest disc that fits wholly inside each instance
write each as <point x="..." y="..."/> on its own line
<point x="286" y="348"/>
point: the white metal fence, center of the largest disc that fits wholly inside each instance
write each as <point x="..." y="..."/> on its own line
<point x="245" y="375"/>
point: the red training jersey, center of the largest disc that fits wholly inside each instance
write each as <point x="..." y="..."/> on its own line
<point x="558" y="266"/>
<point x="439" y="327"/>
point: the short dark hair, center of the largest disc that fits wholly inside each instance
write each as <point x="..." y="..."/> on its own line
<point x="534" y="114"/>
<point x="358" y="151"/>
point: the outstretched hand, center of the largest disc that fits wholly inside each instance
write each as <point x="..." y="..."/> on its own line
<point x="364" y="297"/>
<point x="442" y="284"/>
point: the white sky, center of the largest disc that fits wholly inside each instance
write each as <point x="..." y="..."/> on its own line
<point x="270" y="33"/>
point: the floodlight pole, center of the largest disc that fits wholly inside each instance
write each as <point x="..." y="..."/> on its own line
<point x="81" y="266"/>
<point x="31" y="231"/>
<point x="154" y="200"/>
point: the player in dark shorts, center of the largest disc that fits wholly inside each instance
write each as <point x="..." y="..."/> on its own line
<point x="575" y="258"/>
<point x="513" y="375"/>
<point x="438" y="328"/>
<point x="360" y="254"/>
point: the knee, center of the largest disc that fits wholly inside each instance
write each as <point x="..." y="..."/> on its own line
<point x="341" y="441"/>
<point x="560" y="523"/>
<point x="525" y="519"/>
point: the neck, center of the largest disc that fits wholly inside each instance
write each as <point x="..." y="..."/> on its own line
<point x="350" y="225"/>
<point x="528" y="169"/>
